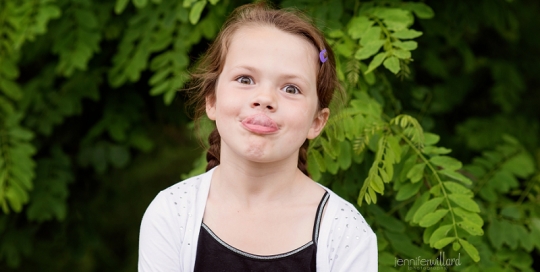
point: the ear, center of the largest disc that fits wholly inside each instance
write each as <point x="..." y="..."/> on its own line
<point x="318" y="123"/>
<point x="211" y="108"/>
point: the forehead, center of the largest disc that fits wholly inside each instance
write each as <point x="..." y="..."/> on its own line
<point x="268" y="46"/>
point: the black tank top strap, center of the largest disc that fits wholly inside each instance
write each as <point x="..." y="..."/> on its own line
<point x="318" y="217"/>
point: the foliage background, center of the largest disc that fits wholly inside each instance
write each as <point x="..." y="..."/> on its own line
<point x="92" y="125"/>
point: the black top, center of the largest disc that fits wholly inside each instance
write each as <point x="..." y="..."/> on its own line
<point x="214" y="254"/>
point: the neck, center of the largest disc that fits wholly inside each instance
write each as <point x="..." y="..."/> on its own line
<point x="251" y="183"/>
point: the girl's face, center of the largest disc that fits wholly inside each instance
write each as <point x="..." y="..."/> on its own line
<point x="266" y="101"/>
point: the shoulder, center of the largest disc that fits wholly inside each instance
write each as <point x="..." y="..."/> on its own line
<point x="349" y="241"/>
<point x="171" y="205"/>
<point x="166" y="224"/>
<point x="346" y="220"/>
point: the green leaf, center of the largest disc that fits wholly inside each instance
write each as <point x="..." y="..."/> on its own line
<point x="421" y="10"/>
<point x="372" y="195"/>
<point x="214" y="2"/>
<point x="465" y="202"/>
<point x="9" y="69"/>
<point x="470" y="249"/>
<point x="345" y="157"/>
<point x="318" y="159"/>
<point x="408" y="190"/>
<point x="119" y="155"/>
<point x="373" y="34"/>
<point x="395" y="148"/>
<point x="328" y="149"/>
<point x="457" y="188"/>
<point x="469" y="216"/>
<point x="377" y="184"/>
<point x="439" y="233"/>
<point x="369" y="49"/>
<point x="435" y="190"/>
<point x="358" y="26"/>
<point x="456" y="246"/>
<point x="426" y="208"/>
<point x="430" y="138"/>
<point x="313" y="167"/>
<point x="416" y="173"/>
<point x="140" y="3"/>
<point x="407" y="34"/>
<point x="390" y="223"/>
<point x="376" y="62"/>
<point x="11" y="89"/>
<point x="402" y="54"/>
<point x="395" y="18"/>
<point x="511" y="212"/>
<point x="6" y="105"/>
<point x="525" y="238"/>
<point x="120" y="6"/>
<point x="161" y="88"/>
<point x="417" y="203"/>
<point x="408" y="45"/>
<point x="86" y="18"/>
<point x="471" y="228"/>
<point x="407" y="165"/>
<point x="446" y="162"/>
<point x="432" y="218"/>
<point x="443" y="242"/>
<point x="455" y="175"/>
<point x="196" y="11"/>
<point x="433" y="150"/>
<point x="495" y="233"/>
<point x="392" y="64"/>
<point x="331" y="165"/>
<point x="521" y="165"/>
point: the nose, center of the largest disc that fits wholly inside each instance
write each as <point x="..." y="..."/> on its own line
<point x="264" y="99"/>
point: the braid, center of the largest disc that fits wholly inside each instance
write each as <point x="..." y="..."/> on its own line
<point x="302" y="158"/>
<point x="212" y="156"/>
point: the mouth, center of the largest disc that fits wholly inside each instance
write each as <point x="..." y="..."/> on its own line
<point x="260" y="124"/>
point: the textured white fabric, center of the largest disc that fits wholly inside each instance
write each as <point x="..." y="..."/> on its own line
<point x="171" y="224"/>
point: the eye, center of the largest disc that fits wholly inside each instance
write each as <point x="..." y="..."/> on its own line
<point x="291" y="89"/>
<point x="244" y="80"/>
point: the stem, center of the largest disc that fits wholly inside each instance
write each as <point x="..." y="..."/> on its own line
<point x="426" y="161"/>
<point x="528" y="189"/>
<point x="492" y="172"/>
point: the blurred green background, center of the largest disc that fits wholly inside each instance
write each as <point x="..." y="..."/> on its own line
<point x="92" y="125"/>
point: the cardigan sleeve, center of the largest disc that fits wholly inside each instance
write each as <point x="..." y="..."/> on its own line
<point x="158" y="242"/>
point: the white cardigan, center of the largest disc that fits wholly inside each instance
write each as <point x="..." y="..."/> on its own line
<point x="171" y="224"/>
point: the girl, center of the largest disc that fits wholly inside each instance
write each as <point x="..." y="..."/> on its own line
<point x="266" y="81"/>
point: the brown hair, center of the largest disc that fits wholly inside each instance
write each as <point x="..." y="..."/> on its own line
<point x="204" y="79"/>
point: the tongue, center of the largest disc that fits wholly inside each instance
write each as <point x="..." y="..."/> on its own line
<point x="260" y="123"/>
<point x="261" y="120"/>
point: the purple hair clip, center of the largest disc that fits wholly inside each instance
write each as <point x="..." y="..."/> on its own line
<point x="322" y="56"/>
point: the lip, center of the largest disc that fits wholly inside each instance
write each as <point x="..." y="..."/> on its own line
<point x="260" y="124"/>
